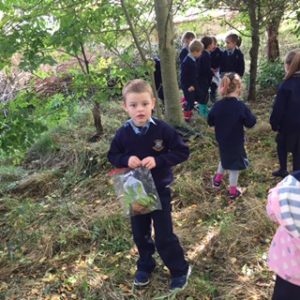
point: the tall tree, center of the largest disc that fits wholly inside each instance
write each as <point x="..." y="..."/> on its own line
<point x="254" y="9"/>
<point x="272" y="27"/>
<point x="164" y="20"/>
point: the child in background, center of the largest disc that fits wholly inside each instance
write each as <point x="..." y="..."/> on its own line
<point x="229" y="116"/>
<point x="186" y="39"/>
<point x="285" y="115"/>
<point x="232" y="58"/>
<point x="189" y="77"/>
<point x="205" y="75"/>
<point x="215" y="58"/>
<point x="151" y="143"/>
<point x="284" y="255"/>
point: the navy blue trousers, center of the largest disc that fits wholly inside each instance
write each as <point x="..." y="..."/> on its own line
<point x="285" y="290"/>
<point x="213" y="92"/>
<point x="288" y="143"/>
<point x="203" y="93"/>
<point x="166" y="242"/>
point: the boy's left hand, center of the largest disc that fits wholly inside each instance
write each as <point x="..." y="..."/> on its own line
<point x="149" y="162"/>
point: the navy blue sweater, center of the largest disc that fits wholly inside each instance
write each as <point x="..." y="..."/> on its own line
<point x="215" y="58"/>
<point x="285" y="116"/>
<point x="229" y="116"/>
<point x="161" y="141"/>
<point x="232" y="63"/>
<point x="205" y="73"/>
<point x="188" y="74"/>
<point x="183" y="53"/>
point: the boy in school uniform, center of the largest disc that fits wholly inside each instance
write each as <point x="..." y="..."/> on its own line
<point x="147" y="142"/>
<point x="205" y="75"/>
<point x="232" y="59"/>
<point x="189" y="77"/>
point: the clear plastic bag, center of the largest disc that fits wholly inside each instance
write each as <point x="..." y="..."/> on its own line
<point x="136" y="191"/>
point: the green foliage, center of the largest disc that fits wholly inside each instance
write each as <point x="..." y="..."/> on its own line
<point x="270" y="74"/>
<point x="137" y="195"/>
<point x="18" y="127"/>
<point x="107" y="77"/>
<point x="23" y="120"/>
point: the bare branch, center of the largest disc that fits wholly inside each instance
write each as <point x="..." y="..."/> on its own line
<point x="132" y="30"/>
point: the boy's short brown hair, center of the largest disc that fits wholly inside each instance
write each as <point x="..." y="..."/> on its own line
<point x="196" y="46"/>
<point x="137" y="86"/>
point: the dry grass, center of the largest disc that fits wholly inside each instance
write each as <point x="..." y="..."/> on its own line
<point x="70" y="241"/>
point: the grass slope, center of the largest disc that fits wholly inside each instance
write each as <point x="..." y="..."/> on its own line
<point x="63" y="235"/>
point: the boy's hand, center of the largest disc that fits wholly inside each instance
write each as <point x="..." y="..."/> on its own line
<point x="191" y="89"/>
<point x="134" y="162"/>
<point x="149" y="162"/>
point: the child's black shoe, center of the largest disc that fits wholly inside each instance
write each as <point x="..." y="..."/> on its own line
<point x="280" y="173"/>
<point x="141" y="279"/>
<point x="180" y="282"/>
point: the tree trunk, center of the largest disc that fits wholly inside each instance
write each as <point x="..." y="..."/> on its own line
<point x="255" y="15"/>
<point x="167" y="52"/>
<point x="96" y="109"/>
<point x="97" y="119"/>
<point x="273" y="44"/>
<point x="141" y="52"/>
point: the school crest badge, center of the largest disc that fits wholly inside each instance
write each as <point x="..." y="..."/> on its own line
<point x="158" y="145"/>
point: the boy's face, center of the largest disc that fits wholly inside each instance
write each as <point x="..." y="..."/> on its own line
<point x="230" y="45"/>
<point x="196" y="54"/>
<point x="139" y="107"/>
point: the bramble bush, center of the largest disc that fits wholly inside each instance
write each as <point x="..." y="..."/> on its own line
<point x="270" y="74"/>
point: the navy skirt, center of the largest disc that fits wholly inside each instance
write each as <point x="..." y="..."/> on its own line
<point x="233" y="157"/>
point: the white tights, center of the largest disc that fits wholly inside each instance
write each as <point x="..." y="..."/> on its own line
<point x="233" y="175"/>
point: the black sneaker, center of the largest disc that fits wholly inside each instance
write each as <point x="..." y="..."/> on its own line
<point x="141" y="279"/>
<point x="180" y="282"/>
<point x="280" y="173"/>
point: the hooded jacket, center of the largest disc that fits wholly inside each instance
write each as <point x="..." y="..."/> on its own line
<point x="284" y="208"/>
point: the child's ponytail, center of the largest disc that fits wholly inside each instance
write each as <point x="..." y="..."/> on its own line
<point x="230" y="83"/>
<point x="293" y="61"/>
<point x="224" y="85"/>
